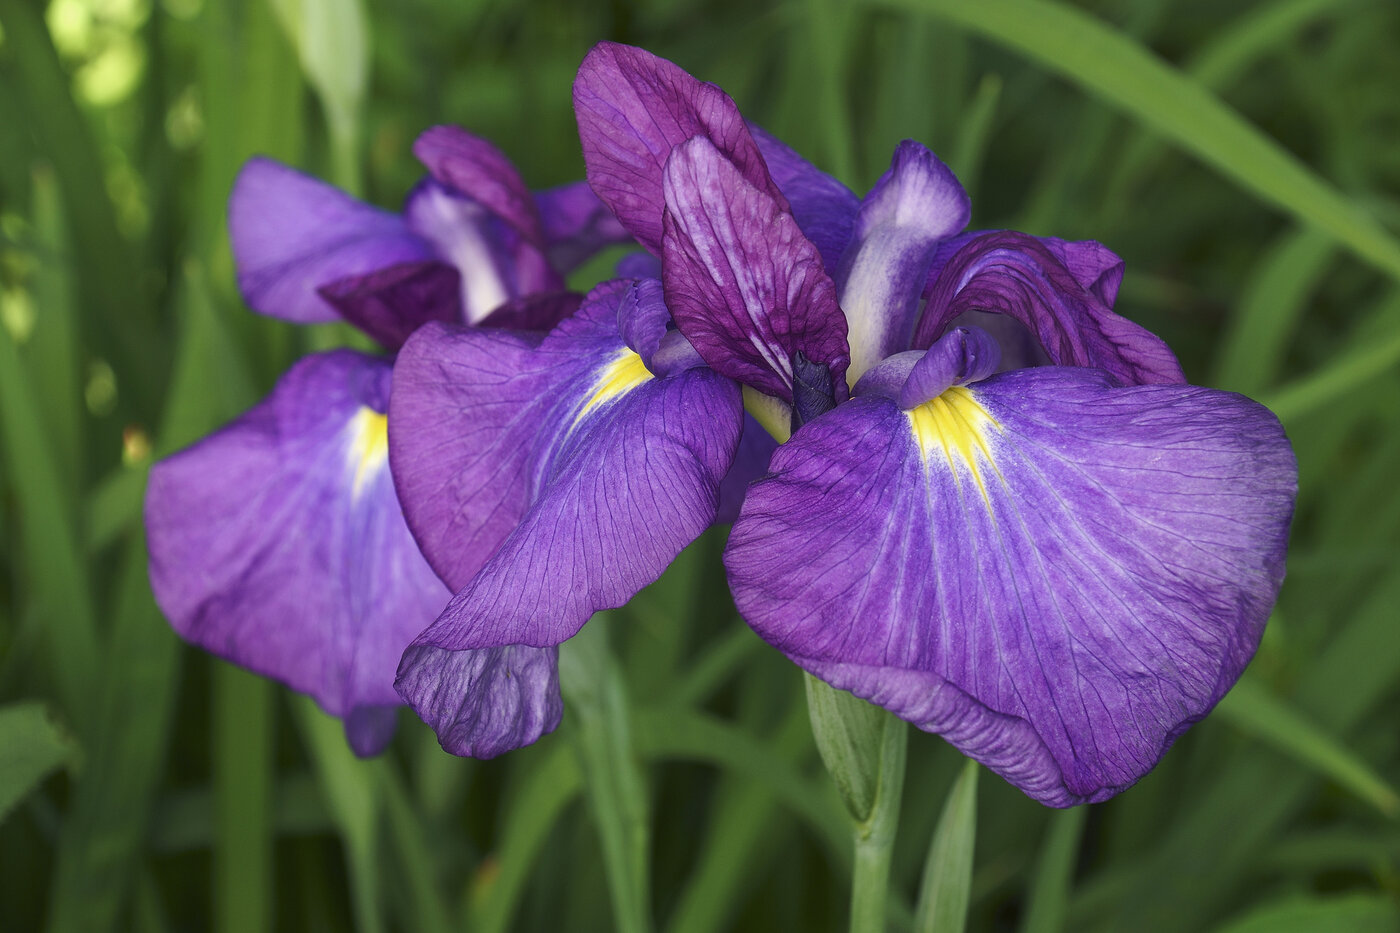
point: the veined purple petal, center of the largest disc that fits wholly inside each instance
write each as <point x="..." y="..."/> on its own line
<point x="913" y="206"/>
<point x="473" y="167"/>
<point x="576" y="224"/>
<point x="1020" y="276"/>
<point x="292" y="233"/>
<point x="278" y="544"/>
<point x="393" y="302"/>
<point x="824" y="208"/>
<point x="633" y="108"/>
<point x="567" y="476"/>
<point x="642" y="318"/>
<point x="538" y="312"/>
<point x="1093" y="265"/>
<point x="484" y="703"/>
<point x="742" y="282"/>
<point x="1057" y="574"/>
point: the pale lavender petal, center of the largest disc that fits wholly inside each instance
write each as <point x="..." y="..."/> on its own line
<point x="483" y="703"/>
<point x="1020" y="276"/>
<point x="824" y="208"/>
<point x="576" y="224"/>
<point x="742" y="282"/>
<point x="633" y="108"/>
<point x="1057" y="574"/>
<point x="278" y="544"/>
<point x="914" y="206"/>
<point x="393" y="302"/>
<point x="292" y="233"/>
<point x="471" y="166"/>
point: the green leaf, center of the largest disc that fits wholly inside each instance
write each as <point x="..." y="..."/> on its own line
<point x="1108" y="64"/>
<point x="947" y="882"/>
<point x="34" y="746"/>
<point x="613" y="779"/>
<point x="241" y="735"/>
<point x="1354" y="913"/>
<point x="1255" y="711"/>
<point x="1054" y="873"/>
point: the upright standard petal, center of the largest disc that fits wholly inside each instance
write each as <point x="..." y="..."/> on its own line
<point x="1057" y="574"/>
<point x="597" y="471"/>
<point x="914" y="205"/>
<point x="576" y="224"/>
<point x="393" y="302"/>
<point x="472" y="166"/>
<point x="824" y="208"/>
<point x="742" y="282"/>
<point x="292" y="233"/>
<point x="1021" y="276"/>
<point x="278" y="544"/>
<point x="632" y="109"/>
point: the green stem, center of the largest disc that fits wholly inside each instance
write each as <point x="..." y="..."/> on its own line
<point x="874" y="836"/>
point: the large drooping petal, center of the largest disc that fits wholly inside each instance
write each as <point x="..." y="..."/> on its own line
<point x="744" y="285"/>
<point x="292" y="233"/>
<point x="633" y="108"/>
<point x="278" y="544"/>
<point x="914" y="206"/>
<point x="548" y="482"/>
<point x="1027" y="278"/>
<point x="1057" y="574"/>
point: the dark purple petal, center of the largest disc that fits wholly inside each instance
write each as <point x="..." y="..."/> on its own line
<point x="278" y="544"/>
<point x="483" y="703"/>
<point x="292" y="233"/>
<point x="633" y="109"/>
<point x="393" y="302"/>
<point x="539" y="312"/>
<point x="914" y="206"/>
<point x="576" y="224"/>
<point x="1020" y="276"/>
<point x="1057" y="574"/>
<point x="824" y="208"/>
<point x="756" y="448"/>
<point x="1093" y="265"/>
<point x="574" y="470"/>
<point x="742" y="282"/>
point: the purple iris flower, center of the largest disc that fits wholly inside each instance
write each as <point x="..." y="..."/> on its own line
<point x="278" y="542"/>
<point x="1002" y="514"/>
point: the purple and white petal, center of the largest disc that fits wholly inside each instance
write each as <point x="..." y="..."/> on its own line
<point x="473" y="167"/>
<point x="292" y="233"/>
<point x="914" y="206"/>
<point x="633" y="108"/>
<point x="393" y="302"/>
<point x="576" y="224"/>
<point x="743" y="284"/>
<point x="598" y="472"/>
<point x="1057" y="574"/>
<point x="824" y="208"/>
<point x="277" y="543"/>
<point x="1020" y="276"/>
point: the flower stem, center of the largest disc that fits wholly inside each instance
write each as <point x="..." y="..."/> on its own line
<point x="874" y="836"/>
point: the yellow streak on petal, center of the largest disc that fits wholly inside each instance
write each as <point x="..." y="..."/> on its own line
<point x="622" y="375"/>
<point x="955" y="425"/>
<point x="369" y="446"/>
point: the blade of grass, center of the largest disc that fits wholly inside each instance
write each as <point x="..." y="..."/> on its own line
<point x="1105" y="63"/>
<point x="34" y="747"/>
<point x="1054" y="873"/>
<point x="947" y="882"/>
<point x="241" y="736"/>
<point x="613" y="778"/>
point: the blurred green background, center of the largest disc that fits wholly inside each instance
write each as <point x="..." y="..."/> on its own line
<point x="1243" y="157"/>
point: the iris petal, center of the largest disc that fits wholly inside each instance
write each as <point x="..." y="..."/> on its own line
<point x="568" y="477"/>
<point x="742" y="282"/>
<point x="1057" y="574"/>
<point x="292" y="233"/>
<point x="278" y="544"/>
